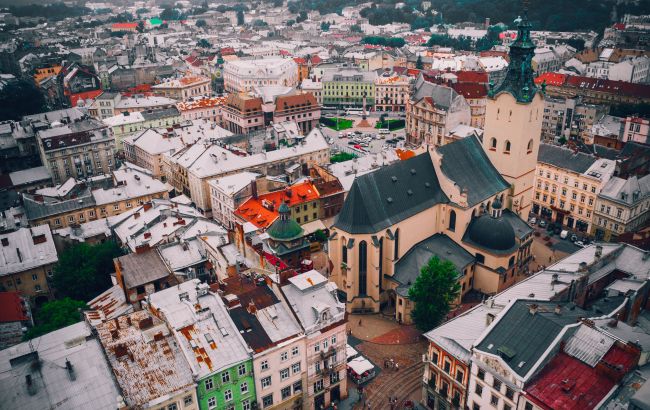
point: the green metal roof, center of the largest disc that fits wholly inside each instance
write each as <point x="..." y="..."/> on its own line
<point x="284" y="228"/>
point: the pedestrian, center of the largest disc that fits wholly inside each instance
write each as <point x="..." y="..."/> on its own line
<point x="359" y="322"/>
<point x="396" y="366"/>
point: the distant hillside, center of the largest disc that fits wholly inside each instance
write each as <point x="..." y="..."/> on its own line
<point x="560" y="15"/>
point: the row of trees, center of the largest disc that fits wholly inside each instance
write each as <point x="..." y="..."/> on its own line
<point x="394" y="42"/>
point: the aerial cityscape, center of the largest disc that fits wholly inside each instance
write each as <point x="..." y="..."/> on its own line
<point x="324" y="205"/>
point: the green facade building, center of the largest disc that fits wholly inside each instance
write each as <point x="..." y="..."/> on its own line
<point x="345" y="86"/>
<point x="231" y="389"/>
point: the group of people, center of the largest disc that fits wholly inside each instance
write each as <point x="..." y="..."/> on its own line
<point x="391" y="364"/>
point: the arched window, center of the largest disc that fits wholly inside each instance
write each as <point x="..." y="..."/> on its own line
<point x="480" y="258"/>
<point x="507" y="146"/>
<point x="363" y="267"/>
<point x="530" y="146"/>
<point x="511" y="262"/>
<point x="381" y="262"/>
<point x="344" y="251"/>
<point x="493" y="143"/>
<point x="396" y="248"/>
<point x="452" y="220"/>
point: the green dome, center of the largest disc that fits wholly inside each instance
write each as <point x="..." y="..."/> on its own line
<point x="284" y="228"/>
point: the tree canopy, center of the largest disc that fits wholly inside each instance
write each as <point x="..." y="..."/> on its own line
<point x="54" y="315"/>
<point x="444" y="40"/>
<point x="20" y="98"/>
<point x="83" y="270"/>
<point x="201" y="23"/>
<point x="395" y="42"/>
<point x="433" y="292"/>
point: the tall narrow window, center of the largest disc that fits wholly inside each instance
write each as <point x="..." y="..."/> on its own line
<point x="452" y="220"/>
<point x="507" y="147"/>
<point x="493" y="143"/>
<point x="530" y="146"/>
<point x="381" y="262"/>
<point x="344" y="251"/>
<point x="396" y="250"/>
<point x="363" y="267"/>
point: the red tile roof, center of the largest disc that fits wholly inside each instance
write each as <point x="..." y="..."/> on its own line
<point x="85" y="95"/>
<point x="263" y="210"/>
<point x="480" y="77"/>
<point x="469" y="90"/>
<point x="551" y="79"/>
<point x="12" y="308"/>
<point x="609" y="86"/>
<point x="124" y="26"/>
<point x="619" y="26"/>
<point x="566" y="383"/>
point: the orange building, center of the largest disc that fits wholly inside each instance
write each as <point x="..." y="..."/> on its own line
<point x="303" y="200"/>
<point x="46" y="72"/>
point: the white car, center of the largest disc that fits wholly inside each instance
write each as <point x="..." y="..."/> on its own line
<point x="580" y="244"/>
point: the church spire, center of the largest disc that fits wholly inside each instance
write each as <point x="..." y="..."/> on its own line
<point x="520" y="77"/>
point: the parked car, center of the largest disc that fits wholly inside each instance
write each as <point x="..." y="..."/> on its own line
<point x="532" y="221"/>
<point x="573" y="238"/>
<point x="580" y="244"/>
<point x="564" y="234"/>
<point x="351" y="143"/>
<point x="542" y="223"/>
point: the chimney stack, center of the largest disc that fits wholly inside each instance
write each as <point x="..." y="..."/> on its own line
<point x="533" y="308"/>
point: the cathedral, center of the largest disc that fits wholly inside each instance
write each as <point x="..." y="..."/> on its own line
<point x="463" y="202"/>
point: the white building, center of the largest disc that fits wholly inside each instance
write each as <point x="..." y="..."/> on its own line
<point x="227" y="193"/>
<point x="243" y="75"/>
<point x="315" y="302"/>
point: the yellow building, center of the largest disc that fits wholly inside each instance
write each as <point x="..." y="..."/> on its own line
<point x="46" y="72"/>
<point x="567" y="184"/>
<point x="27" y="257"/>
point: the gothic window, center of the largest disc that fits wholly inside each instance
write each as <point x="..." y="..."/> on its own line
<point x="452" y="220"/>
<point x="530" y="146"/>
<point x="363" y="267"/>
<point x="511" y="262"/>
<point x="396" y="249"/>
<point x="381" y="262"/>
<point x="506" y="149"/>
<point x="493" y="143"/>
<point x="344" y="251"/>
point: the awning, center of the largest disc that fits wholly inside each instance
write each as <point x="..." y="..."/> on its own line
<point x="360" y="365"/>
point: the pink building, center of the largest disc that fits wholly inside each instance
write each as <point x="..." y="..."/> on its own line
<point x="636" y="129"/>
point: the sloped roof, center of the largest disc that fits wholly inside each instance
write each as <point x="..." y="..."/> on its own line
<point x="565" y="158"/>
<point x="391" y="194"/>
<point x="465" y="162"/>
<point x="523" y="336"/>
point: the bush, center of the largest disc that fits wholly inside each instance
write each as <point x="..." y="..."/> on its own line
<point x="341" y="157"/>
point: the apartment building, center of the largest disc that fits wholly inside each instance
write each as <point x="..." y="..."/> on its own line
<point x="79" y="149"/>
<point x="109" y="104"/>
<point x="566" y="186"/>
<point x="570" y="118"/>
<point x="128" y="123"/>
<point x="432" y="111"/>
<point x="622" y="206"/>
<point x="189" y="170"/>
<point x="218" y="356"/>
<point x="208" y="108"/>
<point x="27" y="257"/>
<point x="76" y="201"/>
<point x="315" y="302"/>
<point x="348" y="86"/>
<point x="391" y="92"/>
<point x="182" y="89"/>
<point x="228" y="193"/>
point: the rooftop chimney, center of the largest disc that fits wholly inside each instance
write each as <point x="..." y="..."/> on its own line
<point x="533" y="308"/>
<point x="558" y="309"/>
<point x="599" y="251"/>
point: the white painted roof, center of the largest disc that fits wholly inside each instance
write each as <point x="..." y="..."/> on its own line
<point x="21" y="253"/>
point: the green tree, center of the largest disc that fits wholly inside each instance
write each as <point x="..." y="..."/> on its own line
<point x="302" y="16"/>
<point x="83" y="270"/>
<point x="291" y="23"/>
<point x="355" y="28"/>
<point x="203" y="43"/>
<point x="19" y="98"/>
<point x="201" y="23"/>
<point x="325" y="26"/>
<point x="433" y="292"/>
<point x="240" y="17"/>
<point x="140" y="27"/>
<point x="55" y="315"/>
<point x="419" y="64"/>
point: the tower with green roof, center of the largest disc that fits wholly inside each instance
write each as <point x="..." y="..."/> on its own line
<point x="513" y="121"/>
<point x="287" y="238"/>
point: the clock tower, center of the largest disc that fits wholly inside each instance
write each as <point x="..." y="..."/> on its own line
<point x="513" y="122"/>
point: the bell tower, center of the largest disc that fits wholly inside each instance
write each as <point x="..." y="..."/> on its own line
<point x="513" y="121"/>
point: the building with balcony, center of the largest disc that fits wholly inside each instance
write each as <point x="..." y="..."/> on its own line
<point x="432" y="111"/>
<point x="218" y="356"/>
<point x="567" y="184"/>
<point x="315" y="303"/>
<point x="276" y="339"/>
<point x="622" y="206"/>
<point x="391" y="92"/>
<point x="348" y="87"/>
<point x="78" y="149"/>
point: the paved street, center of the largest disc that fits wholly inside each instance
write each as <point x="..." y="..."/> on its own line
<point x="380" y="339"/>
<point x="375" y="145"/>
